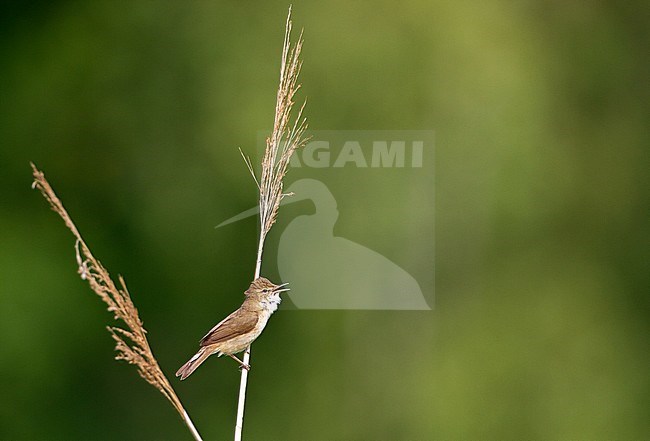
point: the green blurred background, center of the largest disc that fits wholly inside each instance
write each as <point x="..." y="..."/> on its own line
<point x="135" y="110"/>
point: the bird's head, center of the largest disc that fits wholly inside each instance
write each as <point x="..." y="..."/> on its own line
<point x="266" y="292"/>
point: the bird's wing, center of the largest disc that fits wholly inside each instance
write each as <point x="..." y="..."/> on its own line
<point x="238" y="323"/>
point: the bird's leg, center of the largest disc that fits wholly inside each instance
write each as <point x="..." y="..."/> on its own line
<point x="242" y="365"/>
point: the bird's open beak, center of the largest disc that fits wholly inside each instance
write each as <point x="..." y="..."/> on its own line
<point x="281" y="288"/>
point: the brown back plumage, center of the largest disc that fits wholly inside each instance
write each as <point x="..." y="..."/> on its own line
<point x="239" y="322"/>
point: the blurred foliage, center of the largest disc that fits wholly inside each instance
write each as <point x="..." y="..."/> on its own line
<point x="135" y="112"/>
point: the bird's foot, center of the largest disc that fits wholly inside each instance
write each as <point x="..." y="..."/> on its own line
<point x="244" y="366"/>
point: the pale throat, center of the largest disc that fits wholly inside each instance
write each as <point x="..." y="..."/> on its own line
<point x="271" y="304"/>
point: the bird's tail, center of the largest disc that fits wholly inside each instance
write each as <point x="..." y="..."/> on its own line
<point x="194" y="362"/>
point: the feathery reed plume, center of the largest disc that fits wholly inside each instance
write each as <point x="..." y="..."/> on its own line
<point x="284" y="140"/>
<point x="131" y="342"/>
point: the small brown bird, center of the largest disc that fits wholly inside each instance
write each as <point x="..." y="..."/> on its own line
<point x="237" y="331"/>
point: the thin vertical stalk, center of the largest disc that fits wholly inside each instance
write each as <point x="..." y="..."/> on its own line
<point x="285" y="138"/>
<point x="247" y="356"/>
